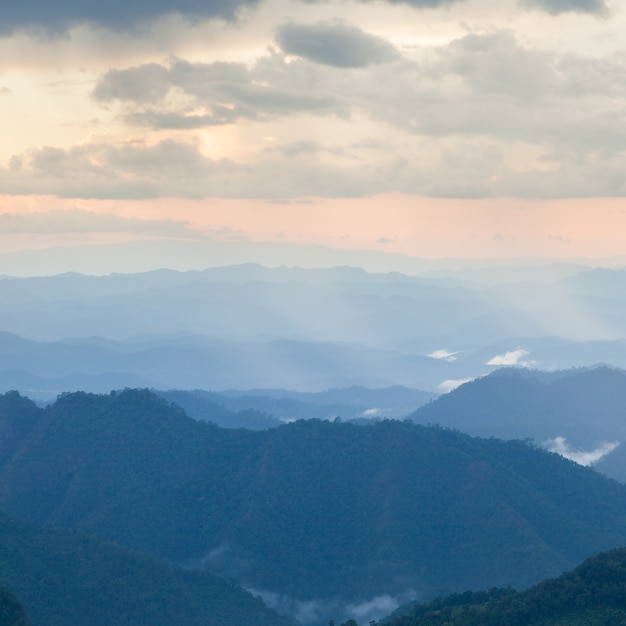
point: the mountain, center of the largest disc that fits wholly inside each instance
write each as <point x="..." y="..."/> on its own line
<point x="266" y="408"/>
<point x="11" y="611"/>
<point x="584" y="406"/>
<point x="42" y="370"/>
<point x="250" y="326"/>
<point x="321" y="519"/>
<point x="593" y="593"/>
<point x="66" y="579"/>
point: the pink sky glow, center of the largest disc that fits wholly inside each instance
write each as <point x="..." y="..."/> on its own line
<point x="397" y="223"/>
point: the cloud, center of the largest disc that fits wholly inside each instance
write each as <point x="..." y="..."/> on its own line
<point x="495" y="63"/>
<point x="53" y="18"/>
<point x="560" y="446"/>
<point x="102" y="170"/>
<point x="377" y="607"/>
<point x="79" y="221"/>
<point x="373" y="412"/>
<point x="48" y="19"/>
<point x="443" y="354"/>
<point x="141" y="84"/>
<point x="334" y="43"/>
<point x="223" y="92"/>
<point x="317" y="610"/>
<point x="481" y="116"/>
<point x="302" y="147"/>
<point x="451" y="384"/>
<point x="178" y="169"/>
<point x="422" y="4"/>
<point x="556" y="7"/>
<point x="512" y="357"/>
<point x="306" y="612"/>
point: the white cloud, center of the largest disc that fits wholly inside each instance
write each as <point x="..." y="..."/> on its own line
<point x="560" y="446"/>
<point x="452" y="383"/>
<point x="377" y="607"/>
<point x="373" y="412"/>
<point x="512" y="357"/>
<point x="443" y="354"/>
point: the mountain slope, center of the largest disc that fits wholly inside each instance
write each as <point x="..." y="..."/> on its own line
<point x="311" y="513"/>
<point x="66" y="579"/>
<point x="586" y="407"/>
<point x="593" y="593"/>
<point x="11" y="611"/>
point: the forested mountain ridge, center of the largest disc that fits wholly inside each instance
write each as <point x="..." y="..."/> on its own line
<point x="64" y="578"/>
<point x="592" y="593"/>
<point x="320" y="514"/>
<point x="11" y="611"/>
<point x="584" y="406"/>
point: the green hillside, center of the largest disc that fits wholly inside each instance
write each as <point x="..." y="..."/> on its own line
<point x="312" y="513"/>
<point x="11" y="611"/>
<point x="590" y="595"/>
<point x="66" y="579"/>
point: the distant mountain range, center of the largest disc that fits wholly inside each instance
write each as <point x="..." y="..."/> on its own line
<point x="321" y="519"/>
<point x="266" y="408"/>
<point x="248" y="326"/>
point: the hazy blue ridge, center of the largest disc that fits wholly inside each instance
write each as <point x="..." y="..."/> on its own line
<point x="584" y="406"/>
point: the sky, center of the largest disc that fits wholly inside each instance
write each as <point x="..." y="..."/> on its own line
<point x="426" y="128"/>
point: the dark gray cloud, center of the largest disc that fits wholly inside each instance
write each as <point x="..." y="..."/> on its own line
<point x="423" y="4"/>
<point x="555" y="7"/>
<point x="142" y="84"/>
<point x="335" y="44"/>
<point x="47" y="17"/>
<point x="53" y="17"/>
<point x="226" y="93"/>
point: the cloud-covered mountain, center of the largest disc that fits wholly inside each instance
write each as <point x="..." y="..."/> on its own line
<point x="578" y="413"/>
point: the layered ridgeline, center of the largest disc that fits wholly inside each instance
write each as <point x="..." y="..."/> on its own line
<point x="265" y="408"/>
<point x="578" y="412"/>
<point x="322" y="519"/>
<point x="66" y="579"/>
<point x="593" y="593"/>
<point x="253" y="327"/>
